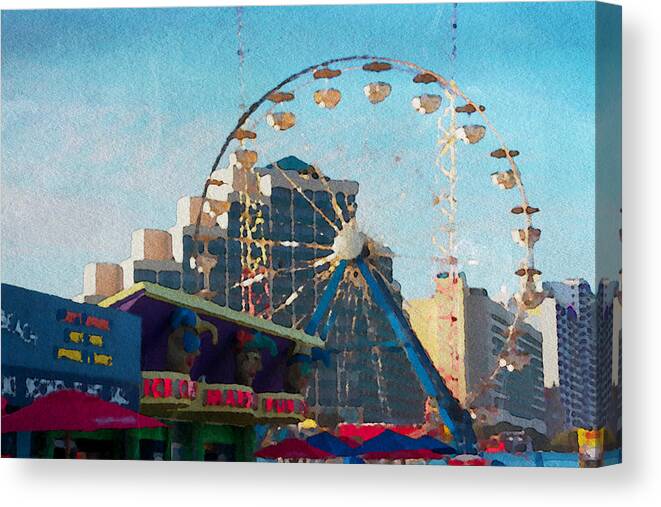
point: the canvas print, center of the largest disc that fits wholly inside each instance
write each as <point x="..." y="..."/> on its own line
<point x="375" y="234"/>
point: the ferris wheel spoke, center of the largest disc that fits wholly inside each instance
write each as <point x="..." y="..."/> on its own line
<point x="350" y="299"/>
<point x="265" y="273"/>
<point x="295" y="294"/>
<point x="324" y="182"/>
<point x="283" y="243"/>
<point x="316" y="208"/>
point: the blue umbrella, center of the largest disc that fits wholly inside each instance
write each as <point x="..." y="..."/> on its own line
<point x="435" y="445"/>
<point x="331" y="444"/>
<point x="388" y="441"/>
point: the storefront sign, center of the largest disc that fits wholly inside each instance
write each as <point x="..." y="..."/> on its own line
<point x="164" y="391"/>
<point x="167" y="385"/>
<point x="279" y="404"/>
<point x="51" y="343"/>
<point x="230" y="396"/>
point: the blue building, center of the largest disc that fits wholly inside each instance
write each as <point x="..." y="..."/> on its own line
<point x="585" y="350"/>
<point x="606" y="392"/>
<point x="51" y="343"/>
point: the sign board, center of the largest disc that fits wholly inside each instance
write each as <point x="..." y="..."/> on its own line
<point x="51" y="343"/>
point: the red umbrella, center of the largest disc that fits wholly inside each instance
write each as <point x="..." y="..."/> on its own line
<point x="467" y="460"/>
<point x="292" y="448"/>
<point x="69" y="410"/>
<point x="425" y="454"/>
<point x="350" y="442"/>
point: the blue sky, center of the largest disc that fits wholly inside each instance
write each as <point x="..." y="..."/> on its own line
<point x="109" y="116"/>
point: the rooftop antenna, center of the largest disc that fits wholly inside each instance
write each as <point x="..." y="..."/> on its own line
<point x="453" y="37"/>
<point x="241" y="53"/>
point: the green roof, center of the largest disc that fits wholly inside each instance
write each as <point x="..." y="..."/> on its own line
<point x="204" y="307"/>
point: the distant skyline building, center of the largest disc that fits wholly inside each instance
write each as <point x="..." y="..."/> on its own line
<point x="577" y="350"/>
<point x="616" y="413"/>
<point x="606" y="401"/>
<point x="464" y="332"/>
<point x="555" y="412"/>
<point x="588" y="329"/>
<point x="543" y="318"/>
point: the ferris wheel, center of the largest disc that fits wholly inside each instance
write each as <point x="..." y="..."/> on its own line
<point x="344" y="261"/>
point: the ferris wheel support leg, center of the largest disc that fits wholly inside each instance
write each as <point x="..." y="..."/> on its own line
<point x="326" y="300"/>
<point x="453" y="415"/>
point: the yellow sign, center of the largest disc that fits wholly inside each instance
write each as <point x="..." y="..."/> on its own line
<point x="96" y="340"/>
<point x="72" y="355"/>
<point x="76" y="336"/>
<point x="102" y="359"/>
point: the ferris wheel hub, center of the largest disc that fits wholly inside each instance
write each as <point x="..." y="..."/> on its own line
<point x="349" y="242"/>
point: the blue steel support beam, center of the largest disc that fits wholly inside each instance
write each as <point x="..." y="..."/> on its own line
<point x="326" y="299"/>
<point x="454" y="416"/>
<point x="330" y="322"/>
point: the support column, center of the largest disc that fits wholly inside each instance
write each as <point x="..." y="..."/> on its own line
<point x="167" y="454"/>
<point x="49" y="452"/>
<point x="23" y="444"/>
<point x="197" y="442"/>
<point x="244" y="443"/>
<point x="454" y="416"/>
<point x="133" y="444"/>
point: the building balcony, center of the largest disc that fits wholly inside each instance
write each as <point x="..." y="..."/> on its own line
<point x="164" y="392"/>
<point x="172" y="395"/>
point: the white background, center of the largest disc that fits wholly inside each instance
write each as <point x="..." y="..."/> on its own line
<point x="637" y="481"/>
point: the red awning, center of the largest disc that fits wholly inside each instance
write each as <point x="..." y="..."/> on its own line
<point x="292" y="448"/>
<point x="69" y="410"/>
